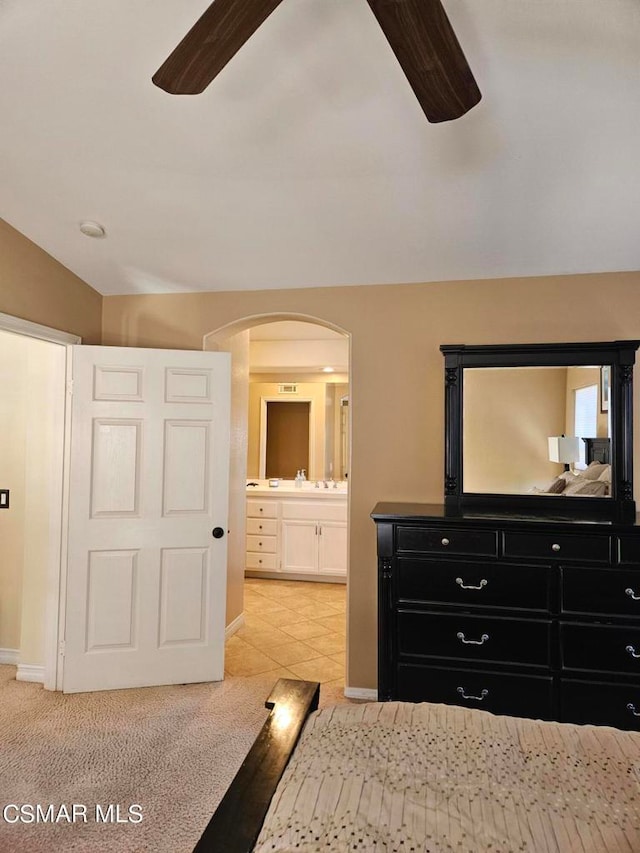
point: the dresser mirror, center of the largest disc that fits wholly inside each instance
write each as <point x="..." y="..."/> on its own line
<point x="545" y="428"/>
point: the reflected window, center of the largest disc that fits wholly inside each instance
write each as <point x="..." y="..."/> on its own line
<point x="585" y="418"/>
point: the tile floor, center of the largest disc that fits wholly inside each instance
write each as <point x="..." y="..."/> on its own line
<point x="292" y="629"/>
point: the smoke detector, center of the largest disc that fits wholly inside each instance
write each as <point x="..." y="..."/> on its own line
<point x="92" y="229"/>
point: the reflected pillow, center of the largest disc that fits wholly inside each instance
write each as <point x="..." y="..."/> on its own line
<point x="558" y="486"/>
<point x="595" y="470"/>
<point x="583" y="488"/>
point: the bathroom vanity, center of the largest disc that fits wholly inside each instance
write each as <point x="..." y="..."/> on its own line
<point x="300" y="533"/>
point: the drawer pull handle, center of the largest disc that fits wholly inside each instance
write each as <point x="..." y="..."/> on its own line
<point x="632" y="651"/>
<point x="555" y="547"/>
<point x="631" y="707"/>
<point x="484" y="692"/>
<point x="483" y="639"/>
<point x="631" y="593"/>
<point x="463" y="585"/>
<point x="445" y="541"/>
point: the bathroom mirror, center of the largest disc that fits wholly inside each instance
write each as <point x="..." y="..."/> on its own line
<point x="545" y="428"/>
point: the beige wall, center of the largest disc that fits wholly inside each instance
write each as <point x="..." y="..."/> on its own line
<point x="34" y="286"/>
<point x="30" y="402"/>
<point x="12" y="476"/>
<point x="396" y="393"/>
<point x="508" y="415"/>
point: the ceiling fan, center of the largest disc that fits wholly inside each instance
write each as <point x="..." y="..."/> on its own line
<point x="418" y="31"/>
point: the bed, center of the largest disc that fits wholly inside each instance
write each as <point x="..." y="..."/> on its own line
<point x="401" y="777"/>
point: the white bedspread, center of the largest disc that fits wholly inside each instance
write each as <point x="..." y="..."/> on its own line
<point x="400" y="777"/>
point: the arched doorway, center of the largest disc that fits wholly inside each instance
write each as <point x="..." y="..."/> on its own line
<point x="235" y="338"/>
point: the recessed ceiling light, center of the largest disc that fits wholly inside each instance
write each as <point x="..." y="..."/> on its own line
<point x="92" y="229"/>
<point x="327" y="369"/>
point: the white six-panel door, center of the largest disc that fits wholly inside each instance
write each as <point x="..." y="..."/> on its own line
<point x="146" y="579"/>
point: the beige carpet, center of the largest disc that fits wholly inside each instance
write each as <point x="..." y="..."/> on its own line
<point x="172" y="750"/>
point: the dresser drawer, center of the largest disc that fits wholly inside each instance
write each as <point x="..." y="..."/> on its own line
<point x="601" y="704"/>
<point x="266" y="562"/>
<point x="444" y="540"/>
<point x="600" y="647"/>
<point x="558" y="546"/>
<point x="474" y="584"/>
<point x="480" y="638"/>
<point x="610" y="591"/>
<point x="262" y="526"/>
<point x="500" y="693"/>
<point x="266" y="544"/>
<point x="262" y="509"/>
<point x="629" y="549"/>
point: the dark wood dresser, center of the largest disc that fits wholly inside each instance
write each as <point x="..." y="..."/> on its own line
<point x="518" y="615"/>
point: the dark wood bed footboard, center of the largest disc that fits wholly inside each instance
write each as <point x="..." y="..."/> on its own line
<point x="237" y="821"/>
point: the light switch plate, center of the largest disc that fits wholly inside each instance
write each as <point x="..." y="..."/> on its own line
<point x="4" y="498"/>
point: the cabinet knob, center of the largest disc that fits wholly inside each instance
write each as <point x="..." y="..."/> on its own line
<point x="445" y="541"/>
<point x="260" y="561"/>
<point x="632" y="651"/>
<point x="259" y="544"/>
<point x="260" y="509"/>
<point x="555" y="547"/>
<point x="259" y="527"/>
<point x="632" y="594"/>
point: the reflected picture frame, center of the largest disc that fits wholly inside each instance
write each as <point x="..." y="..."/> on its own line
<point x="605" y="383"/>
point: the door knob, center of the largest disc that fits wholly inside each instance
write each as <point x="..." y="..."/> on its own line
<point x="217" y="533"/>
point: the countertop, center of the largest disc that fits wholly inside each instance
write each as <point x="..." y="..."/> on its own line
<point x="288" y="489"/>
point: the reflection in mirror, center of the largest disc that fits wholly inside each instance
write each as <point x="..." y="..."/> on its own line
<point x="509" y="415"/>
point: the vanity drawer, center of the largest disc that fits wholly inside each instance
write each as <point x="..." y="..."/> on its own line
<point x="444" y="540"/>
<point x="558" y="546"/>
<point x="608" y="648"/>
<point x="629" y="549"/>
<point x="262" y="509"/>
<point x="315" y="510"/>
<point x="601" y="704"/>
<point x="481" y="638"/>
<point x="262" y="526"/>
<point x="266" y="562"/>
<point x="266" y="544"/>
<point x="500" y="693"/>
<point x="473" y="584"/>
<point x="612" y="591"/>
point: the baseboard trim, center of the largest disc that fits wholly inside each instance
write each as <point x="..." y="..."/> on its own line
<point x="28" y="672"/>
<point x="234" y="626"/>
<point x="361" y="693"/>
<point x="9" y="656"/>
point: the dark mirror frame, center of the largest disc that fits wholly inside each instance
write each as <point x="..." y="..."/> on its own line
<point x="619" y="355"/>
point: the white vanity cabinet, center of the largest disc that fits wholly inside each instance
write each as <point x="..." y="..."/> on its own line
<point x="305" y="536"/>
<point x="314" y="537"/>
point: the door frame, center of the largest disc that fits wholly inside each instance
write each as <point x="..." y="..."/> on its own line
<point x="55" y="578"/>
<point x="264" y="401"/>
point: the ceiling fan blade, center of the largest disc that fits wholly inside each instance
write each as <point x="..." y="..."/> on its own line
<point x="212" y="41"/>
<point x="426" y="47"/>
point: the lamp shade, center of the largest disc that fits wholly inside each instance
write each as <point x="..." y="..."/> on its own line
<point x="564" y="448"/>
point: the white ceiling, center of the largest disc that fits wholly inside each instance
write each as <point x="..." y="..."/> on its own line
<point x="308" y="161"/>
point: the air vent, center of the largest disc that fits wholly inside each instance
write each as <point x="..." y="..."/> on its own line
<point x="289" y="388"/>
